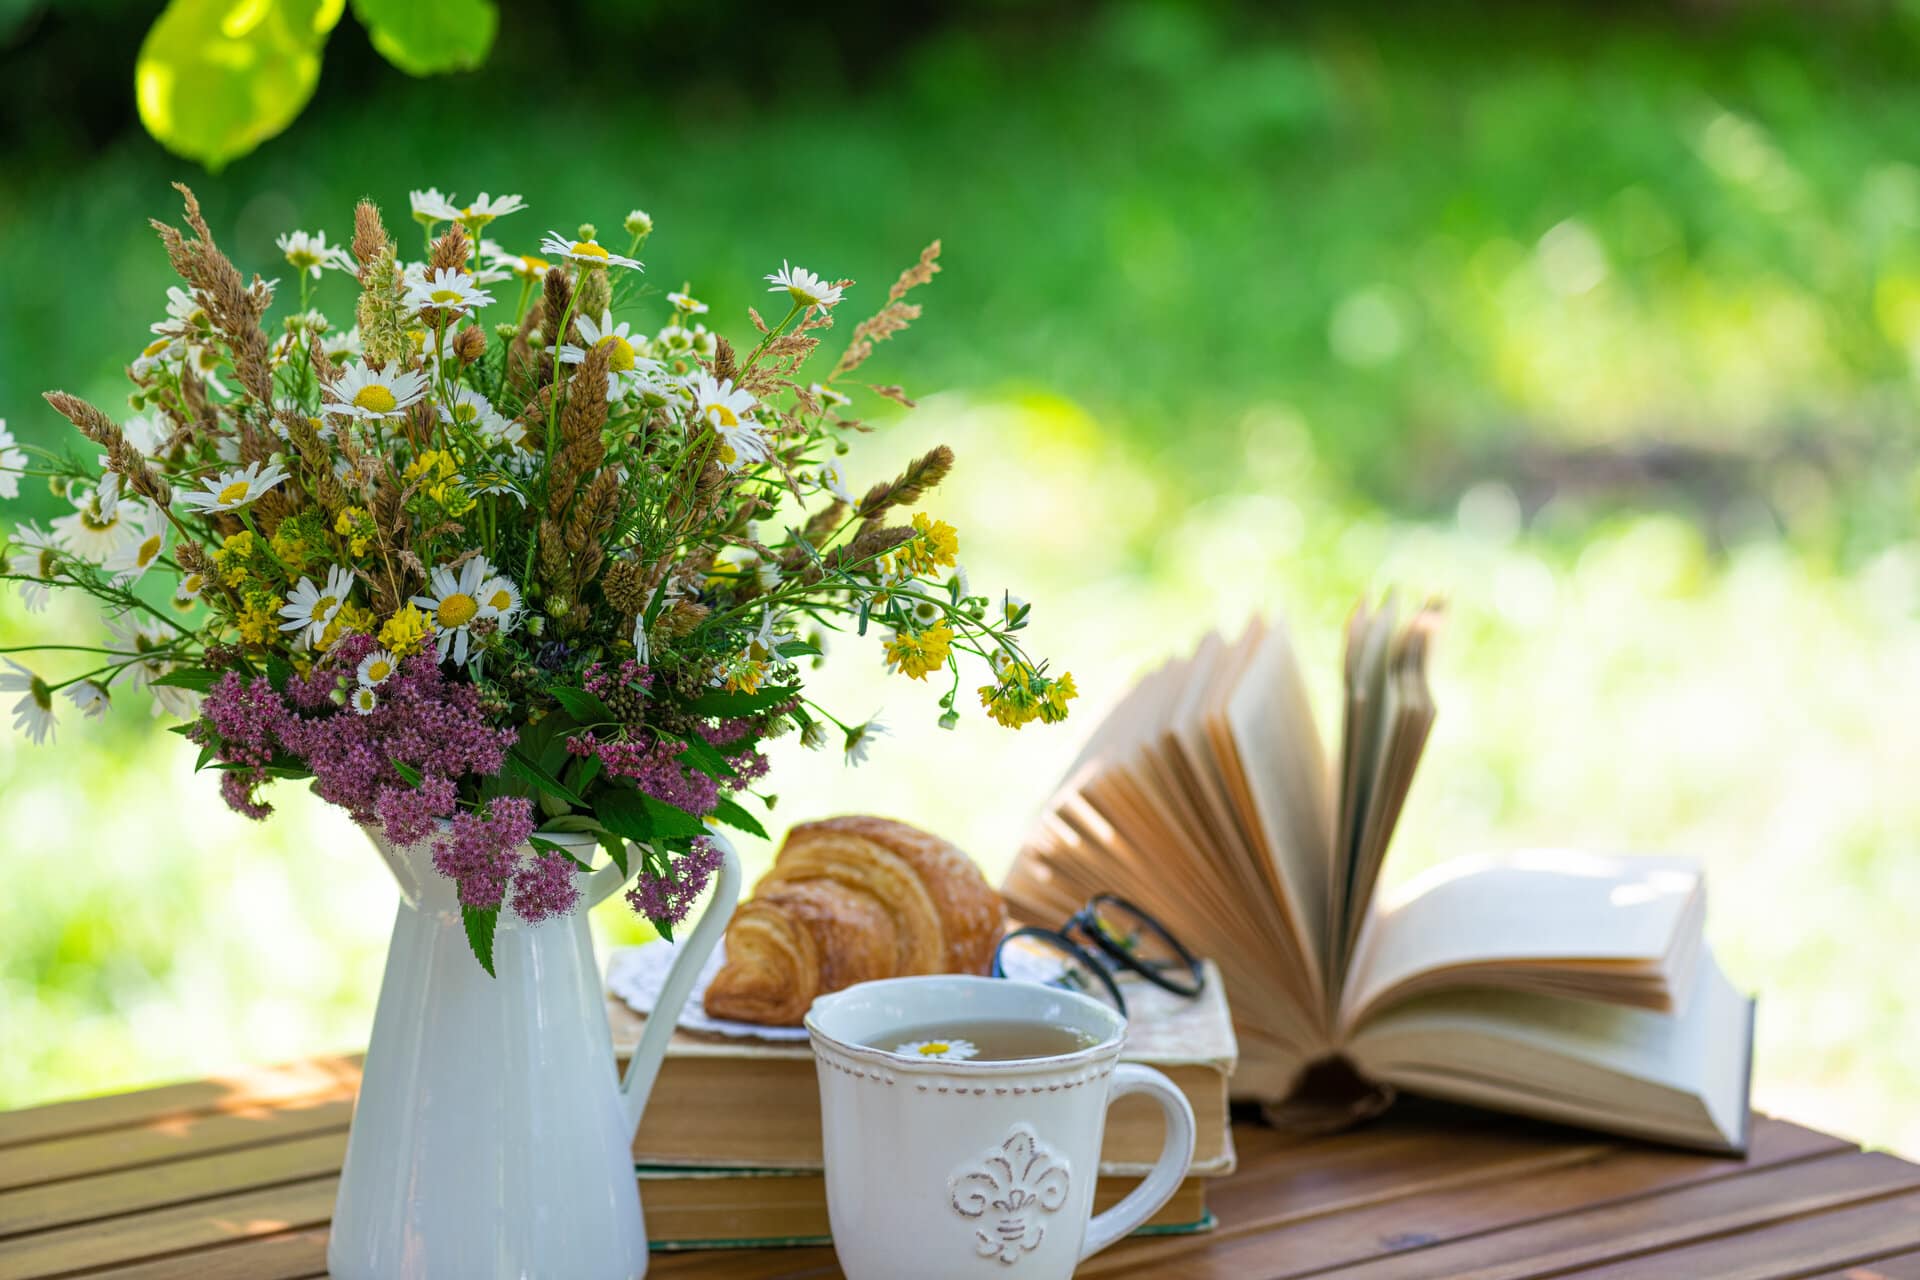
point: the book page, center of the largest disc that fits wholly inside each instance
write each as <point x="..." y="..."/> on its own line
<point x="1679" y="1078"/>
<point x="1594" y="922"/>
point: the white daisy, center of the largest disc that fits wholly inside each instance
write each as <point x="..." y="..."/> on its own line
<point x="35" y="555"/>
<point x="638" y="222"/>
<point x="363" y="700"/>
<point x="231" y="490"/>
<point x="826" y="395"/>
<point x="188" y="589"/>
<point x="90" y="696"/>
<point x="588" y="251"/>
<point x="135" y="558"/>
<point x="944" y="1050"/>
<point x="376" y="667"/>
<point x="33" y="714"/>
<point x="860" y="740"/>
<point x="487" y="208"/>
<point x="500" y="599"/>
<point x="728" y="410"/>
<point x="834" y="480"/>
<point x="101" y="524"/>
<point x="430" y="206"/>
<point x="627" y="369"/>
<point x="12" y="463"/>
<point x="311" y="607"/>
<point x="161" y="353"/>
<point x="642" y="651"/>
<point x="815" y="735"/>
<point x="145" y="638"/>
<point x="468" y="408"/>
<point x="452" y="291"/>
<point x="804" y="287"/>
<point x="368" y="391"/>
<point x="310" y="253"/>
<point x="521" y="266"/>
<point x="455" y="603"/>
<point x="144" y="431"/>
<point x="687" y="303"/>
<point x="337" y="346"/>
<point x="186" y="315"/>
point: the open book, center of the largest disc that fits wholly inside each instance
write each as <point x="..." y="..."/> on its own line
<point x="1571" y="986"/>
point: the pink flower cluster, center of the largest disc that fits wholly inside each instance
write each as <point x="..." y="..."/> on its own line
<point x="426" y="725"/>
<point x="655" y="767"/>
<point x="668" y="897"/>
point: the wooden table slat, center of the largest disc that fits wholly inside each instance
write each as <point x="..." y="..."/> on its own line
<point x="1790" y="1250"/>
<point x="318" y="1079"/>
<point x="234" y="1179"/>
<point x="175" y="1230"/>
<point x="1315" y="1237"/>
<point x="167" y="1139"/>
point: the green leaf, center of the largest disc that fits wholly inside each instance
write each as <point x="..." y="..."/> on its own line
<point x="702" y="755"/>
<point x="480" y="925"/>
<point x="721" y="703"/>
<point x="279" y="671"/>
<point x="186" y="678"/>
<point x="430" y="37"/>
<point x="575" y="822"/>
<point x="216" y="78"/>
<point x="408" y="774"/>
<point x="798" y="649"/>
<point x="640" y="817"/>
<point x="206" y="755"/>
<point x="581" y="773"/>
<point x="583" y="706"/>
<point x="540" y="778"/>
<point x="617" y="850"/>
<point x="549" y="846"/>
<point x="734" y="815"/>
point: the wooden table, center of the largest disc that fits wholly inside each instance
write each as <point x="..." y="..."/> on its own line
<point x="233" y="1179"/>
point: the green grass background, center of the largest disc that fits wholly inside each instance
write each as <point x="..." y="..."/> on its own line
<point x="1601" y="322"/>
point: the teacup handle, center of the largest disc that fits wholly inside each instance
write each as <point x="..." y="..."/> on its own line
<point x="1176" y="1155"/>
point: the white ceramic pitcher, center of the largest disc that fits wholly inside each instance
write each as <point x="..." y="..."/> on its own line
<point x="492" y="1139"/>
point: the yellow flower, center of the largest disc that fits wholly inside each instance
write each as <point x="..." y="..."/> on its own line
<point x="1059" y="692"/>
<point x="291" y="548"/>
<point x="351" y="620"/>
<point x="235" y="550"/>
<point x="438" y="471"/>
<point x="356" y="526"/>
<point x="743" y="675"/>
<point x="1012" y="702"/>
<point x="918" y="652"/>
<point x="256" y="622"/>
<point x="406" y="632"/>
<point x="936" y="545"/>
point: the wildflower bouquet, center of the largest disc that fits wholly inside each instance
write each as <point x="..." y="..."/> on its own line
<point x="486" y="582"/>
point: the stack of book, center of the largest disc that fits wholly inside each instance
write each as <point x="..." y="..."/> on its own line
<point x="729" y="1151"/>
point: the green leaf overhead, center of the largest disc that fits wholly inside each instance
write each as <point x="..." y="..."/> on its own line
<point x="428" y="37"/>
<point x="216" y="78"/>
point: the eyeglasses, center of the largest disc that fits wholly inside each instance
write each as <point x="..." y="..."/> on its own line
<point x="1106" y="935"/>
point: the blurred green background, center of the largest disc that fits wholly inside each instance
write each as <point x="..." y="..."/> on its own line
<point x="1603" y="321"/>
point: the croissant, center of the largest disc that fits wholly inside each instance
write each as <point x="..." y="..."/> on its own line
<point x="848" y="900"/>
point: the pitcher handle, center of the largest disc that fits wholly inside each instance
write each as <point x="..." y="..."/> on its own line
<point x="1176" y="1156"/>
<point x="644" y="1066"/>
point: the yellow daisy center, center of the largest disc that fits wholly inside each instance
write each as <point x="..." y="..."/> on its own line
<point x="934" y="1048"/>
<point x="456" y="610"/>
<point x="727" y="455"/>
<point x="587" y="249"/>
<point x="375" y="399"/>
<point x="324" y="606"/>
<point x="235" y="492"/>
<point x="379" y="670"/>
<point x="532" y="265"/>
<point x="148" y="550"/>
<point x="92" y="519"/>
<point x="721" y="416"/>
<point x="465" y="413"/>
<point x="501" y="599"/>
<point x="446" y="297"/>
<point x="155" y="347"/>
<point x="619" y="352"/>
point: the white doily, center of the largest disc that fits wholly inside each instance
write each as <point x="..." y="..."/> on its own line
<point x="636" y="974"/>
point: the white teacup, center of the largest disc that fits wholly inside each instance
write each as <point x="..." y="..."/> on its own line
<point x="957" y="1170"/>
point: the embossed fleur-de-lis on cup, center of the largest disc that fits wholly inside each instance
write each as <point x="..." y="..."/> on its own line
<point x="948" y="1169"/>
